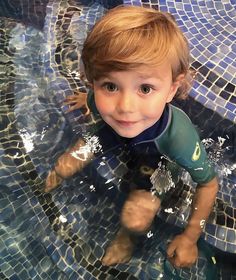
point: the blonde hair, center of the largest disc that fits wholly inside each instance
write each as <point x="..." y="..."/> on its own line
<point x="128" y="37"/>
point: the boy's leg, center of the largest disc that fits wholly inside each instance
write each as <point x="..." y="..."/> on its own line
<point x="139" y="211"/>
<point x="67" y="165"/>
<point x="137" y="215"/>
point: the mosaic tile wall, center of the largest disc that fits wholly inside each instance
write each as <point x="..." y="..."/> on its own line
<point x="63" y="234"/>
<point x="210" y="29"/>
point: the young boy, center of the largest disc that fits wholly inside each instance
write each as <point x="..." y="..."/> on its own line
<point x="136" y="61"/>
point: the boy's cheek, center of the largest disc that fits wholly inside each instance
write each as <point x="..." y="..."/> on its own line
<point x="102" y="106"/>
<point x="98" y="101"/>
<point x="155" y="113"/>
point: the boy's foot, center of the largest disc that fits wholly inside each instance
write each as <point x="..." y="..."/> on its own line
<point x="53" y="180"/>
<point x="70" y="162"/>
<point x="120" y="250"/>
<point x="66" y="166"/>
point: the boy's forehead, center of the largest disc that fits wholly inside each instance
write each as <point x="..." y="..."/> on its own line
<point x="144" y="72"/>
<point x="154" y="71"/>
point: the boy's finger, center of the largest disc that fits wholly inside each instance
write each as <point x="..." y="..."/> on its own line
<point x="176" y="262"/>
<point x="71" y="108"/>
<point x="69" y="102"/>
<point x="171" y="250"/>
<point x="78" y="93"/>
<point x="71" y="99"/>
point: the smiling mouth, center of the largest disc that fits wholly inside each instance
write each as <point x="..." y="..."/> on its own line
<point x="125" y="123"/>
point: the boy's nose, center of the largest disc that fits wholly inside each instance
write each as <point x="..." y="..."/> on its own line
<point x="125" y="103"/>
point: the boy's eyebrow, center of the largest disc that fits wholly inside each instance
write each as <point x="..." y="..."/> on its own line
<point x="143" y="76"/>
<point x="106" y="76"/>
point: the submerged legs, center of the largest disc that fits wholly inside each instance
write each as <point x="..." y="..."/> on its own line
<point x="137" y="215"/>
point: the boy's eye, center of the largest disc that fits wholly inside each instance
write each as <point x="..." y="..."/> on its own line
<point x="110" y="87"/>
<point x="146" y="89"/>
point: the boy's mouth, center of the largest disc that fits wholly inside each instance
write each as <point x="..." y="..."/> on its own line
<point x="125" y="123"/>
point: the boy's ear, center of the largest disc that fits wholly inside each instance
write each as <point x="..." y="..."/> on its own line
<point x="91" y="86"/>
<point x="175" y="85"/>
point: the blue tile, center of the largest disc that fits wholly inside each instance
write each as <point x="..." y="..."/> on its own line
<point x="230" y="106"/>
<point x="211" y="95"/>
<point x="233" y="99"/>
<point x="210" y="65"/>
<point x="187" y="7"/>
<point x="221" y="245"/>
<point x="211" y="240"/>
<point x="221" y="233"/>
<point x="212" y="48"/>
<point x="221" y="110"/>
<point x="231" y="116"/>
<point x="202" y="99"/>
<point x="223" y="64"/>
<point x="211" y="229"/>
<point x="200" y="48"/>
<point x="193" y="30"/>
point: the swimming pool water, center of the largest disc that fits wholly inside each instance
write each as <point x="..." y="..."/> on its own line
<point x="62" y="235"/>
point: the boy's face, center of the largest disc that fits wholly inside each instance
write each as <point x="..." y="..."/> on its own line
<point x="132" y="101"/>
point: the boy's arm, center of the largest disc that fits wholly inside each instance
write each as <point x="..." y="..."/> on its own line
<point x="183" y="251"/>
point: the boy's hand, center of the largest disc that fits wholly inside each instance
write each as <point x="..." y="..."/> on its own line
<point x="77" y="101"/>
<point x="182" y="252"/>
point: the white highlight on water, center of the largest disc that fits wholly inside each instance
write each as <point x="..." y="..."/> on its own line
<point x="92" y="145"/>
<point x="92" y="188"/>
<point x="27" y="139"/>
<point x="149" y="234"/>
<point x="216" y="155"/>
<point x="109" y="180"/>
<point x="62" y="219"/>
<point x="169" y="210"/>
<point x="161" y="180"/>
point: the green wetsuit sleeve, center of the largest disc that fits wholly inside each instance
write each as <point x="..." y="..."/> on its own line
<point x="180" y="142"/>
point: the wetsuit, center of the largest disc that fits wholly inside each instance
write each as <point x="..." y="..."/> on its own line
<point x="173" y="136"/>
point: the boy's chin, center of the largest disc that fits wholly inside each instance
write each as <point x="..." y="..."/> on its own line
<point x="127" y="134"/>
